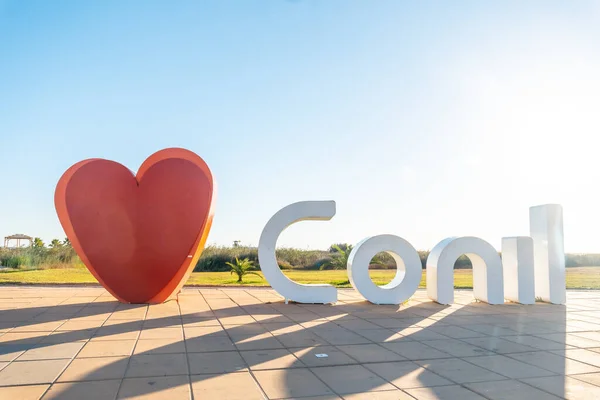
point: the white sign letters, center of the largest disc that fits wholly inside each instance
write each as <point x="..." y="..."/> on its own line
<point x="530" y="266"/>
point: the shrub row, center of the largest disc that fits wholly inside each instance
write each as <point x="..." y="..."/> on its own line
<point x="33" y="257"/>
<point x="214" y="258"/>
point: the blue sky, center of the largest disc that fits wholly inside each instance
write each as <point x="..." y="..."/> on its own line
<point x="421" y="119"/>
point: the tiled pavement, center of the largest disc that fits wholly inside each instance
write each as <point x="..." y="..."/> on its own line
<point x="79" y="343"/>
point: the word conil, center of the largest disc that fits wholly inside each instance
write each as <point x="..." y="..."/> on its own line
<point x="530" y="266"/>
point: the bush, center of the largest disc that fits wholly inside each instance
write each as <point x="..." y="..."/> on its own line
<point x="215" y="258"/>
<point x="14" y="261"/>
<point x="582" y="260"/>
<point x="39" y="257"/>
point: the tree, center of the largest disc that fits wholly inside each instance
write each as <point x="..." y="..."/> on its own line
<point x="335" y="248"/>
<point x="66" y="242"/>
<point x="56" y="244"/>
<point x="38" y="243"/>
<point x="339" y="259"/>
<point x="242" y="267"/>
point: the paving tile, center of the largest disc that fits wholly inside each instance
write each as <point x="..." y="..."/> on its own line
<point x="80" y="324"/>
<point x="311" y="356"/>
<point x="9" y="353"/>
<point x="159" y="346"/>
<point x="285" y="383"/>
<point x="509" y="390"/>
<point x="356" y="325"/>
<point x="95" y="369"/>
<point x="555" y="363"/>
<point x="444" y="392"/>
<point x="162" y="333"/>
<point x="508" y="367"/>
<point x="243" y="330"/>
<point x="566" y="387"/>
<point x="459" y="371"/>
<point x="340" y="336"/>
<point x="326" y="397"/>
<point x="107" y="349"/>
<point x="216" y="363"/>
<point x="271" y="359"/>
<point x="156" y="388"/>
<point x="571" y="340"/>
<point x="191" y="321"/>
<point x="23" y="338"/>
<point x="31" y="372"/>
<point x="164" y="322"/>
<point x="258" y="342"/>
<point x="39" y="327"/>
<point x="220" y="387"/>
<point x="364" y="353"/>
<point x="590" y="335"/>
<point x="115" y="333"/>
<point x="93" y="390"/>
<point x="143" y="365"/>
<point x="498" y="345"/>
<point x="33" y="392"/>
<point x="123" y="325"/>
<point x="69" y="336"/>
<point x="302" y="338"/>
<point x="532" y="328"/>
<point x="456" y="332"/>
<point x="490" y="329"/>
<point x="421" y="334"/>
<point x="391" y="322"/>
<point x="415" y="350"/>
<point x="536" y="342"/>
<point x="582" y="355"/>
<point x="345" y="379"/>
<point x="385" y="395"/>
<point x="208" y="344"/>
<point x="201" y="331"/>
<point x="52" y="351"/>
<point x="381" y="335"/>
<point x="407" y="375"/>
<point x="594" y="378"/>
<point x="237" y="320"/>
<point x="457" y="348"/>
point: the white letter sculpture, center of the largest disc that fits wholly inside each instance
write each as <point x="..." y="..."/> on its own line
<point x="408" y="274"/>
<point x="487" y="270"/>
<point x="301" y="211"/>
<point x="517" y="264"/>
<point x="546" y="229"/>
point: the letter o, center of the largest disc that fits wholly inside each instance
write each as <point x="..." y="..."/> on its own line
<point x="408" y="274"/>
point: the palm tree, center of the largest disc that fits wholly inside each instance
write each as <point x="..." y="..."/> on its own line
<point x="38" y="243"/>
<point x="341" y="255"/>
<point x="55" y="244"/>
<point x="339" y="259"/>
<point x="242" y="267"/>
<point x="66" y="242"/>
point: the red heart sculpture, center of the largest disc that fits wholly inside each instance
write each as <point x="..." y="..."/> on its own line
<point x="139" y="235"/>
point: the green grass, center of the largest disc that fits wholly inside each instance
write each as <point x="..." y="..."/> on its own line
<point x="577" y="278"/>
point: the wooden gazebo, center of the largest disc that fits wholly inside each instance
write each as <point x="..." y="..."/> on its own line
<point x="18" y="237"/>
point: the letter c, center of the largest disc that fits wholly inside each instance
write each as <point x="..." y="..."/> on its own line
<point x="301" y="211"/>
